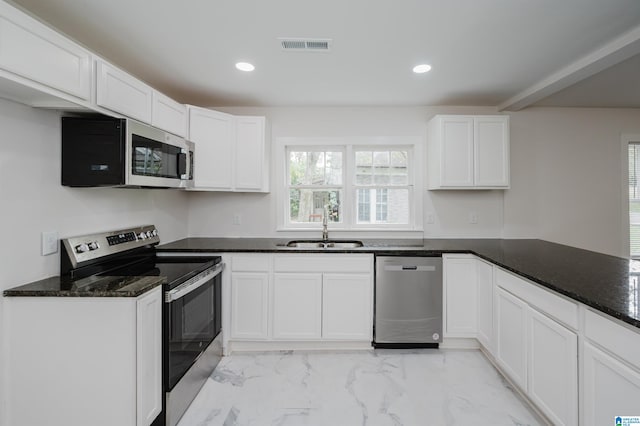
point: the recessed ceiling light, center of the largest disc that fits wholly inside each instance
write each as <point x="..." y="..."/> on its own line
<point x="422" y="68"/>
<point x="245" y="66"/>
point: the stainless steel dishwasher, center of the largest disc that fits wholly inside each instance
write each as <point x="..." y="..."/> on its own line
<point x="408" y="302"/>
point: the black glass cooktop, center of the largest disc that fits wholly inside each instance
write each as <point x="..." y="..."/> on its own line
<point x="175" y="269"/>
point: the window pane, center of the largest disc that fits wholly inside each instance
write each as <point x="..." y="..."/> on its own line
<point x="315" y="168"/>
<point x="383" y="205"/>
<point x="634" y="199"/>
<point x="307" y="205"/>
<point x="333" y="170"/>
<point x="399" y="159"/>
<point x="382" y="168"/>
<point x="364" y="206"/>
<point x="364" y="169"/>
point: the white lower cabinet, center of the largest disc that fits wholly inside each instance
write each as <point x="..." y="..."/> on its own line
<point x="485" y="304"/>
<point x="511" y="349"/>
<point x="610" y="388"/>
<point x="297" y="306"/>
<point x="538" y="353"/>
<point x="346" y="307"/>
<point x="280" y="298"/>
<point x="249" y="305"/>
<point x="460" y="295"/>
<point x="94" y="361"/>
<point x="553" y="369"/>
<point x="611" y="370"/>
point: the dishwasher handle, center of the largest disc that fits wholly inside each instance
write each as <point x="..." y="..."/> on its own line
<point x="426" y="268"/>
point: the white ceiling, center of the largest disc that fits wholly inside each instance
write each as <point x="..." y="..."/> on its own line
<point x="503" y="53"/>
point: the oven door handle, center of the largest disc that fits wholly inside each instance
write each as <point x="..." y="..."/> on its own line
<point x="193" y="284"/>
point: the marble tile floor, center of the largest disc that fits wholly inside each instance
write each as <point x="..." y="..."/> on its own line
<point x="371" y="388"/>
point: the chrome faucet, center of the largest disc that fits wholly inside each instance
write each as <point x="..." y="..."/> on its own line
<point x="325" y="231"/>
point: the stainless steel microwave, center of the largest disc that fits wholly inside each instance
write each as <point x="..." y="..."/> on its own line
<point x="119" y="152"/>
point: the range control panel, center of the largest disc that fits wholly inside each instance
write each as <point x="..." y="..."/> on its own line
<point x="90" y="247"/>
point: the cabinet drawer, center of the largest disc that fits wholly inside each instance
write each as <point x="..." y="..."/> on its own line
<point x="323" y="263"/>
<point x="250" y="263"/>
<point x="616" y="338"/>
<point x="555" y="306"/>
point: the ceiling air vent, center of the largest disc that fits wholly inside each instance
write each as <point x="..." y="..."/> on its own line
<point x="305" y="44"/>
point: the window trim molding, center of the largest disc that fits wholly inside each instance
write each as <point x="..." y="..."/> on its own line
<point x="626" y="139"/>
<point x="414" y="143"/>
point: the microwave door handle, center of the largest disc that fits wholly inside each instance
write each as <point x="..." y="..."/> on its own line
<point x="182" y="164"/>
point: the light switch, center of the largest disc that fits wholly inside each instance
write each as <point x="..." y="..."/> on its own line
<point x="49" y="242"/>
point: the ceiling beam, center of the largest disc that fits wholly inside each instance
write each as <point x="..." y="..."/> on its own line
<point x="618" y="50"/>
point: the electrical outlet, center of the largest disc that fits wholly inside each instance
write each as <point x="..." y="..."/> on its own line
<point x="431" y="218"/>
<point x="473" y="218"/>
<point x="237" y="219"/>
<point x="49" y="242"/>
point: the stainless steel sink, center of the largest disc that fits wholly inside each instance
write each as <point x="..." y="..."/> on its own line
<point x="325" y="244"/>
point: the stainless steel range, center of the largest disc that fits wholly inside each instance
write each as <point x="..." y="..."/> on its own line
<point x="192" y="340"/>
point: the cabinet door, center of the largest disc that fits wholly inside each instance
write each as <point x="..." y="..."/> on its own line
<point x="31" y="50"/>
<point x="250" y="152"/>
<point x="553" y="369"/>
<point x="213" y="134"/>
<point x="120" y="92"/>
<point x="297" y="306"/>
<point x="485" y="304"/>
<point x="491" y="146"/>
<point x="168" y="114"/>
<point x="456" y="168"/>
<point x="610" y="388"/>
<point x="511" y="350"/>
<point x="460" y="297"/>
<point x="347" y="307"/>
<point x="149" y="356"/>
<point x="249" y="305"/>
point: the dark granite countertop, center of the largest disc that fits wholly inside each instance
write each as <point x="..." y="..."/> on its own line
<point x="606" y="283"/>
<point x="94" y="286"/>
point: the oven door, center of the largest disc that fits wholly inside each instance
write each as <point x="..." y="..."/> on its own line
<point x="192" y="321"/>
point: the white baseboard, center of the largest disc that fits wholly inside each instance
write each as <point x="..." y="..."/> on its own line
<point x="459" y="343"/>
<point x="253" y="346"/>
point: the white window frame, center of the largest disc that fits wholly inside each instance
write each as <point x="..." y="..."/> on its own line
<point x="626" y="139"/>
<point x="287" y="183"/>
<point x="283" y="145"/>
<point x="410" y="185"/>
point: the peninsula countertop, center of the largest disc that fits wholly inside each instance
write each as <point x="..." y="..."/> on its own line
<point x="606" y="283"/>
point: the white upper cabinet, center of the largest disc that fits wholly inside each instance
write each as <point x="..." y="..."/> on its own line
<point x="230" y="151"/>
<point x="169" y="115"/>
<point x="122" y="93"/>
<point x="213" y="133"/>
<point x="468" y="152"/>
<point x="33" y="51"/>
<point x="250" y="156"/>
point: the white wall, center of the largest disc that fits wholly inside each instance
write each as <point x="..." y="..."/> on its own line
<point x="211" y="214"/>
<point x="32" y="200"/>
<point x="567" y="170"/>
